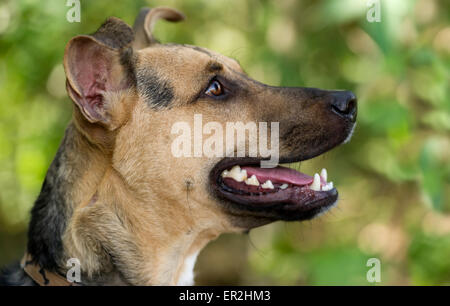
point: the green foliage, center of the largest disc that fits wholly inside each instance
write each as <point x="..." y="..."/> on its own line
<point x="429" y="264"/>
<point x="394" y="175"/>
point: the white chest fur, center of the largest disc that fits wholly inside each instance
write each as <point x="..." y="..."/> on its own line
<point x="187" y="273"/>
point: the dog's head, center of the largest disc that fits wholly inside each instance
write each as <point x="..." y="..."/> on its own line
<point x="163" y="114"/>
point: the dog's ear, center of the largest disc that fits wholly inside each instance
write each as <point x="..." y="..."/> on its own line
<point x="145" y="21"/>
<point x="94" y="66"/>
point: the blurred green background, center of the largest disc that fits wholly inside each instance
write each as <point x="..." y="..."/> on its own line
<point x="393" y="177"/>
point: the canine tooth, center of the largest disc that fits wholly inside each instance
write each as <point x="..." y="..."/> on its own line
<point x="236" y="173"/>
<point x="316" y="183"/>
<point x="252" y="181"/>
<point x="324" y="174"/>
<point x="268" y="185"/>
<point x="284" y="186"/>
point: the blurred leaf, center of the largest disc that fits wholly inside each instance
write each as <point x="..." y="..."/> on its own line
<point x="388" y="118"/>
<point x="429" y="262"/>
<point x="433" y="172"/>
<point x="342" y="266"/>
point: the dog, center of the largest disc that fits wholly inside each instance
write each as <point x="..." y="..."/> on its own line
<point x="115" y="197"/>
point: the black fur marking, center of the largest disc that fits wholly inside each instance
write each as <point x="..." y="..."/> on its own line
<point x="114" y="33"/>
<point x="128" y="60"/>
<point x="48" y="216"/>
<point x="214" y="67"/>
<point x="157" y="91"/>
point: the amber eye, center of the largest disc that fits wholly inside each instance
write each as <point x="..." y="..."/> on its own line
<point x="214" y="89"/>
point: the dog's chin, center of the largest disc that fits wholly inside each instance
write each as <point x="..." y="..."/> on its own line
<point x="242" y="187"/>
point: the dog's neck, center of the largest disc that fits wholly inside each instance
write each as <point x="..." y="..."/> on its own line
<point x="81" y="213"/>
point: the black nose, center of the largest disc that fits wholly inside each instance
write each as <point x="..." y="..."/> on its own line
<point x="344" y="104"/>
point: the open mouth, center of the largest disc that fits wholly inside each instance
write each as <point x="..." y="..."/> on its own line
<point x="284" y="192"/>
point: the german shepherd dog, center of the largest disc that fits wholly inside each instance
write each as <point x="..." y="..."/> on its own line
<point x="117" y="199"/>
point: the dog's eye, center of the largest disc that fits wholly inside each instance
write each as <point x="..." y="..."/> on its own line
<point x="214" y="89"/>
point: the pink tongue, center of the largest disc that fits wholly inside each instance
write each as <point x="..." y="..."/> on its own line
<point x="279" y="175"/>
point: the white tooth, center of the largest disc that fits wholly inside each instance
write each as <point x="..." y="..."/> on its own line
<point x="284" y="186"/>
<point x="268" y="185"/>
<point x="252" y="181"/>
<point x="324" y="174"/>
<point x="316" y="183"/>
<point x="236" y="173"/>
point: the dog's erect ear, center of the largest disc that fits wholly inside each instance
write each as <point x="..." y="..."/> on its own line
<point x="145" y="21"/>
<point x="93" y="65"/>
